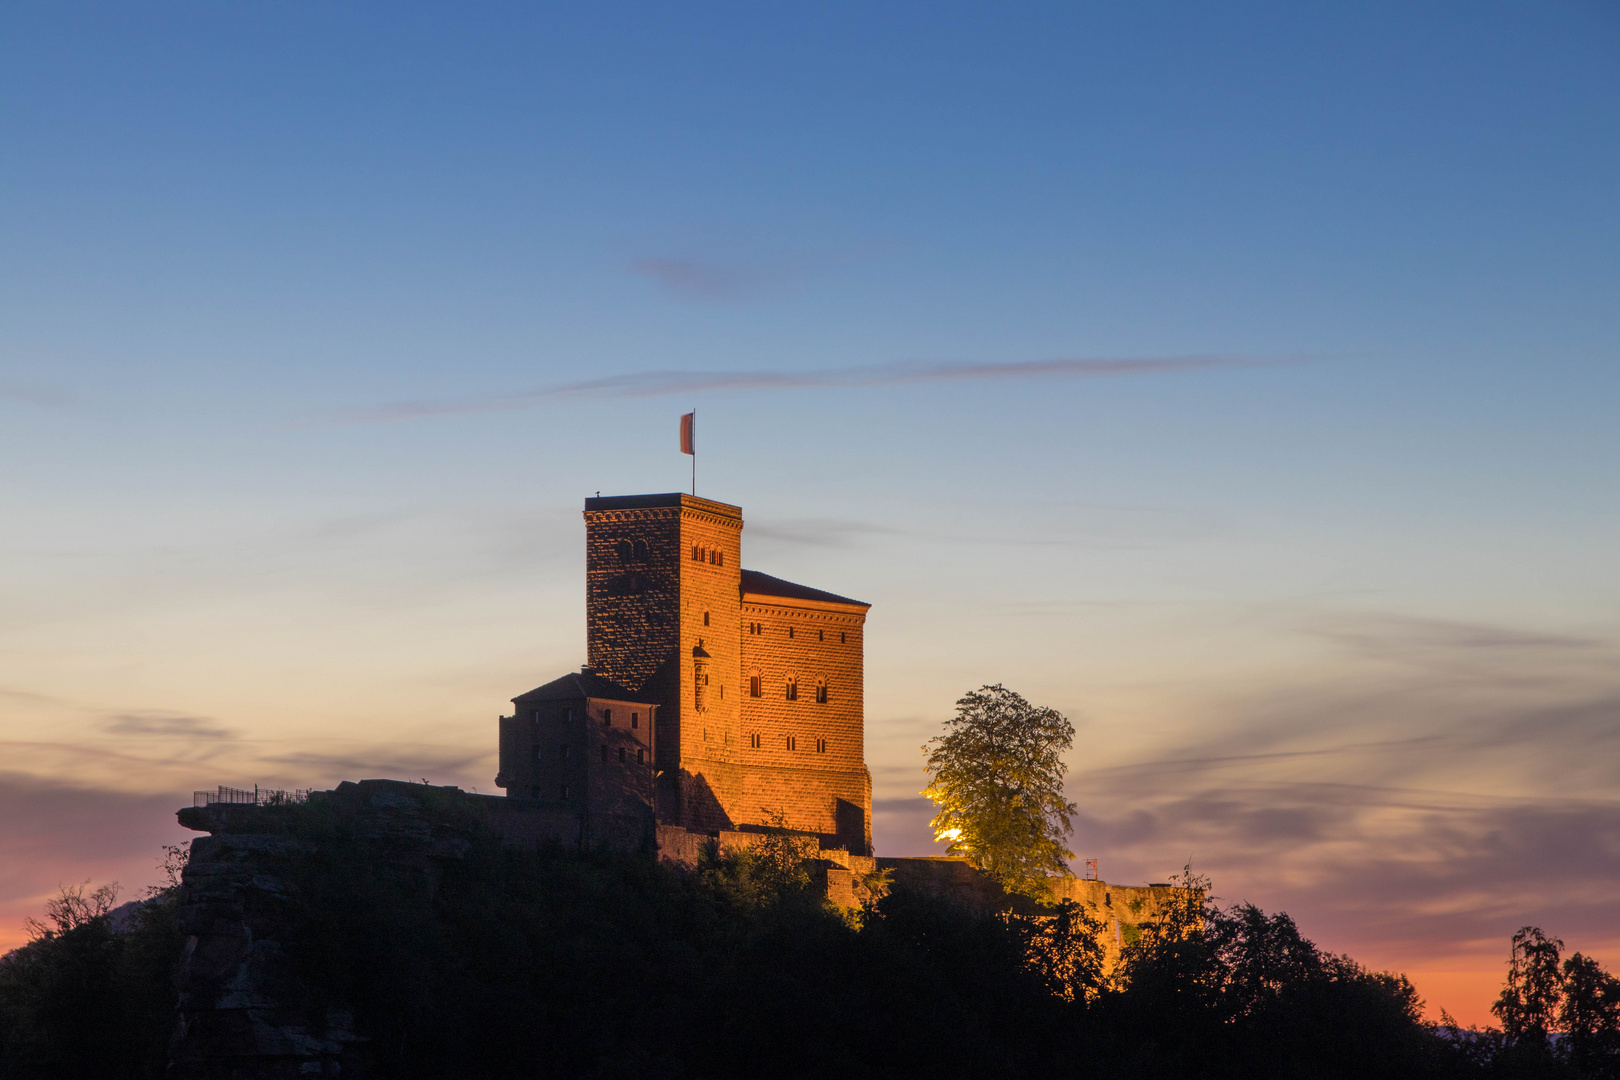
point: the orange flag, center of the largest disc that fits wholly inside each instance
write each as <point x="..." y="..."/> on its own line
<point x="689" y="433"/>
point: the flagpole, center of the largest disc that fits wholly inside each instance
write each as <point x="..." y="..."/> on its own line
<point x="694" y="453"/>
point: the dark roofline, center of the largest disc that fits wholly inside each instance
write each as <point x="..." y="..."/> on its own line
<point x="582" y="684"/>
<point x="765" y="585"/>
<point x="668" y="499"/>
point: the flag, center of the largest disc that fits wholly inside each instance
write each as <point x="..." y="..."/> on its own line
<point x="689" y="433"/>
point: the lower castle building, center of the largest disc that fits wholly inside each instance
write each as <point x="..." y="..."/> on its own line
<point x="721" y="699"/>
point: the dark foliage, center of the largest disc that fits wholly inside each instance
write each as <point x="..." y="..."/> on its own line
<point x="506" y="963"/>
<point x="86" y="998"/>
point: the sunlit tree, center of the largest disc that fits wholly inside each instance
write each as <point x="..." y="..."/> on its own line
<point x="996" y="779"/>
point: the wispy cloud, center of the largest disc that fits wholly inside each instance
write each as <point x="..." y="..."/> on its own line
<point x="646" y="384"/>
<point x="168" y="726"/>
<point x="44" y="396"/>
<point x="709" y="282"/>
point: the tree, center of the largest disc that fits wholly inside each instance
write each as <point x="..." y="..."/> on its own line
<point x="1590" y="1017"/>
<point x="997" y="785"/>
<point x="1528" y="1003"/>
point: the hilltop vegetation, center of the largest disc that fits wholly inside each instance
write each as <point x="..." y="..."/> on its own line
<point x="510" y="963"/>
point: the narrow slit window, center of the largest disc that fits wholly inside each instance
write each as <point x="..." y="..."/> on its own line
<point x="821" y="635"/>
<point x="635" y="720"/>
<point x="790" y="631"/>
<point x="821" y="746"/>
<point x="753" y="686"/>
<point x="607" y="717"/>
<point x="753" y="740"/>
<point x="641" y="756"/>
<point x="705" y="618"/>
<point x="840" y="638"/>
<point x="792" y="742"/>
<point x="621" y="753"/>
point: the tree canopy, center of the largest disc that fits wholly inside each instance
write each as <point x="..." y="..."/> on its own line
<point x="997" y="785"/>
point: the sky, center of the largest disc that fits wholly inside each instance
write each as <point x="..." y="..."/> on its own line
<point x="1238" y="379"/>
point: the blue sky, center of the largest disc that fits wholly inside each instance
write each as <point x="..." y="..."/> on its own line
<point x="287" y="295"/>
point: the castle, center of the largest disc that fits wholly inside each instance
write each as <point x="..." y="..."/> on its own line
<point x="717" y="698"/>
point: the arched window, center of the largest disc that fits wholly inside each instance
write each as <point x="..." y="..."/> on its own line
<point x="753" y="686"/>
<point x="793" y="689"/>
<point x="640" y="553"/>
<point x="821" y="691"/>
<point x="624" y="550"/>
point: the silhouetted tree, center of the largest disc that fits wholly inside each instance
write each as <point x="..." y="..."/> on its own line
<point x="997" y="785"/>
<point x="1590" y="1018"/>
<point x="1528" y="1004"/>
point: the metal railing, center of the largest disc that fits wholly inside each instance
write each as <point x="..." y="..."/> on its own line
<point x="257" y="796"/>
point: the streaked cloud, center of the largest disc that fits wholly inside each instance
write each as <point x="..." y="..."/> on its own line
<point x="647" y="384"/>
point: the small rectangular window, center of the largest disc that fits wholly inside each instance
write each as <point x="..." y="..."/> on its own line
<point x="607" y="717"/>
<point x="753" y="740"/>
<point x="840" y="638"/>
<point x="792" y="742"/>
<point x="753" y="686"/>
<point x="621" y="753"/>
<point x="537" y="716"/>
<point x="821" y="746"/>
<point x="635" y="720"/>
<point x="705" y="618"/>
<point x="790" y="631"/>
<point x="821" y="635"/>
<point x="641" y="756"/>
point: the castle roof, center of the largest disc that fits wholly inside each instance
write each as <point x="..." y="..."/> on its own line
<point x="581" y="684"/>
<point x="755" y="583"/>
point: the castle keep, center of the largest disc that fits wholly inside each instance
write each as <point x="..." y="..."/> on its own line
<point x="714" y="696"/>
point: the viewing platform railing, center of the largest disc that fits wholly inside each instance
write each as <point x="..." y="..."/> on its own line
<point x="257" y="796"/>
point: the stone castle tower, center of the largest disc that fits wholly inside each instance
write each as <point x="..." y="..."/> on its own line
<point x="751" y="686"/>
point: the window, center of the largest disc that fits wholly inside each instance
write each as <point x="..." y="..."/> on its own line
<point x="790" y="631"/>
<point x="624" y="550"/>
<point x="792" y="742"/>
<point x="753" y="686"/>
<point x="821" y="746"/>
<point x="635" y="720"/>
<point x="705" y="618"/>
<point x="565" y="791"/>
<point x="840" y="637"/>
<point x="607" y="717"/>
<point x="821" y="635"/>
<point x="697" y="554"/>
<point x="621" y="753"/>
<point x="821" y="693"/>
<point x="604" y="753"/>
<point x="641" y="756"/>
<point x="793" y="689"/>
<point x="537" y="716"/>
<point x="753" y="740"/>
<point x="562" y="751"/>
<point x="568" y="714"/>
<point x="640" y="551"/>
<point x="537" y="754"/>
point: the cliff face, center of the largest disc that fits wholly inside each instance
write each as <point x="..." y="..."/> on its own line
<point x="246" y="1009"/>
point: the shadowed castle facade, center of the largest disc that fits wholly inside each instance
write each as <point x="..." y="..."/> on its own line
<point x="716" y="696"/>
